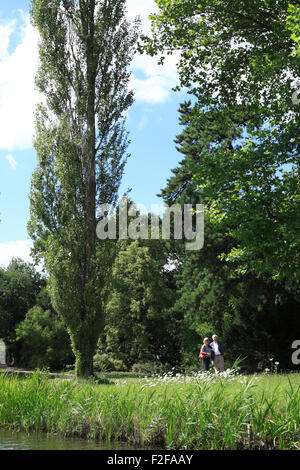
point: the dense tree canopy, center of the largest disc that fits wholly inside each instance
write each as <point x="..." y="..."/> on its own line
<point x="240" y="297"/>
<point x="231" y="52"/>
<point x="137" y="321"/>
<point x="42" y="337"/>
<point x="153" y="300"/>
<point x="19" y="285"/>
<point x="242" y="138"/>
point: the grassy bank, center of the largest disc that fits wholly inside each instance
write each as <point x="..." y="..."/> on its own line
<point x="195" y="412"/>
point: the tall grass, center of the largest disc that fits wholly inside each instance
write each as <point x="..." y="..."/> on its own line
<point x="203" y="411"/>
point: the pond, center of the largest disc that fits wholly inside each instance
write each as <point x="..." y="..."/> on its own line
<point x="10" y="440"/>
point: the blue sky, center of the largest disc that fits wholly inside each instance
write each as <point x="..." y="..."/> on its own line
<point x="152" y="123"/>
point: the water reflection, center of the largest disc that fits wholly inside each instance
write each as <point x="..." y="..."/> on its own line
<point x="10" y="440"/>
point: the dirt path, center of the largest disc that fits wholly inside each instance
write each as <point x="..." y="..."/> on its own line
<point x="16" y="370"/>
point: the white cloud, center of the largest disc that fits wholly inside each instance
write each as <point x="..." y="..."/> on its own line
<point x="11" y="160"/>
<point x="16" y="249"/>
<point x="149" y="66"/>
<point x="18" y="96"/>
<point x="17" y="92"/>
<point x="152" y="90"/>
<point x="158" y="80"/>
<point x="142" y="8"/>
<point x="5" y="32"/>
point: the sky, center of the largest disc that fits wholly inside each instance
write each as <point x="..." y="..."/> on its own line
<point x="152" y="123"/>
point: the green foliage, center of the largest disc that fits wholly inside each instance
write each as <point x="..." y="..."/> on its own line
<point x="249" y="183"/>
<point x="241" y="140"/>
<point x="240" y="147"/>
<point x="230" y="52"/>
<point x="105" y="363"/>
<point x="253" y="190"/>
<point x="293" y="24"/>
<point x="19" y="285"/>
<point x="249" y="295"/>
<point x="44" y="340"/>
<point x="137" y="319"/>
<point x="241" y="160"/>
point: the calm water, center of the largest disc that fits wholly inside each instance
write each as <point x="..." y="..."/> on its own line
<point x="10" y="440"/>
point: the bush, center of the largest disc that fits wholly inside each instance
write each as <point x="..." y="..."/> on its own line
<point x="119" y="365"/>
<point x="104" y="363"/>
<point x="191" y="360"/>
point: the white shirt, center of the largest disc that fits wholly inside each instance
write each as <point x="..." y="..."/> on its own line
<point x="216" y="349"/>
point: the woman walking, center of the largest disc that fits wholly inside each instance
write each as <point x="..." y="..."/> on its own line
<point x="205" y="354"/>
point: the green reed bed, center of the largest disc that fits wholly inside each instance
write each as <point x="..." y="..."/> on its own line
<point x="203" y="411"/>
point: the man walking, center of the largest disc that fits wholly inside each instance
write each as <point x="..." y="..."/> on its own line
<point x="218" y="353"/>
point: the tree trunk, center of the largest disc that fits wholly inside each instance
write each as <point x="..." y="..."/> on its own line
<point x="85" y="352"/>
<point x="84" y="361"/>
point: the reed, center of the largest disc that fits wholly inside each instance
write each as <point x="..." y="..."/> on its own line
<point x="203" y="411"/>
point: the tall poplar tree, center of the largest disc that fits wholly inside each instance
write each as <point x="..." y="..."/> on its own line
<point x="85" y="49"/>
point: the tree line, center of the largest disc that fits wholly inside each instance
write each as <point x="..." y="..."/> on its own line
<point x="240" y="147"/>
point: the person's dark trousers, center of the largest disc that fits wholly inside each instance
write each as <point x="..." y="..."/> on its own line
<point x="206" y="362"/>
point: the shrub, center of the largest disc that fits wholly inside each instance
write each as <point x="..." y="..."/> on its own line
<point x="105" y="363"/>
<point x="119" y="365"/>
